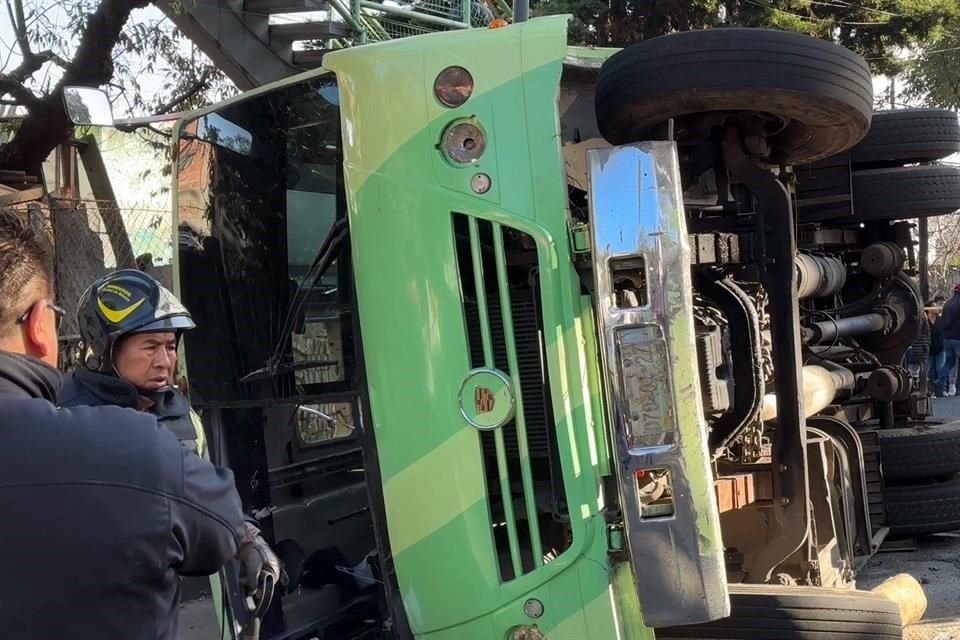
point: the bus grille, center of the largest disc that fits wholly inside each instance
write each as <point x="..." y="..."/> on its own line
<point x="520" y="458"/>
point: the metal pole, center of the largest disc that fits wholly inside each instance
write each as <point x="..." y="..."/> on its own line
<point x="521" y="10"/>
<point x="416" y="15"/>
<point x="924" y="265"/>
<point x="346" y="15"/>
<point x="357" y="16"/>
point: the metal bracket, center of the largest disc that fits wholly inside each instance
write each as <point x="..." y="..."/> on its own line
<point x="580" y="238"/>
<point x="790" y="524"/>
<point x="847" y="435"/>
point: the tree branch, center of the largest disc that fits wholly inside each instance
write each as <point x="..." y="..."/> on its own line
<point x="30" y="62"/>
<point x="19" y="23"/>
<point x="20" y="94"/>
<point x="191" y="91"/>
<point x="50" y="56"/>
<point x="46" y="124"/>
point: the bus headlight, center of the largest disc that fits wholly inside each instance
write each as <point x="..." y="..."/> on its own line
<point x="463" y="143"/>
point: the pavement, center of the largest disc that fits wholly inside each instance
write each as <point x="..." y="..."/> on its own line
<point x="936" y="565"/>
<point x="198" y="620"/>
<point x="947" y="406"/>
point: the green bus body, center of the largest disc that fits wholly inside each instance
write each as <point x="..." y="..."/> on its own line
<point x="402" y="194"/>
<point x="402" y="202"/>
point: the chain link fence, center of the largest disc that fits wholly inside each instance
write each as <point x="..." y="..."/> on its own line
<point x="386" y="26"/>
<point x="90" y="238"/>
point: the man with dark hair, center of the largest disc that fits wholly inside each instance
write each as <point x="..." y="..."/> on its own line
<point x="103" y="508"/>
<point x="949" y="325"/>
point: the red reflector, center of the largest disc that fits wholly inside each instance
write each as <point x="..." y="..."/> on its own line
<point x="453" y="86"/>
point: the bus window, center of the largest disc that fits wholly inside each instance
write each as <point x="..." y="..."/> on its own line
<point x="272" y="184"/>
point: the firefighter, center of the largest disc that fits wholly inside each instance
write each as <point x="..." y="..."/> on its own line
<point x="131" y="327"/>
<point x="103" y="508"/>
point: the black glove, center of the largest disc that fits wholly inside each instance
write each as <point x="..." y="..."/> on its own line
<point x="260" y="570"/>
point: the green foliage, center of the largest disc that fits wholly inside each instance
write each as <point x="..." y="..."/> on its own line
<point x="934" y="76"/>
<point x="877" y="29"/>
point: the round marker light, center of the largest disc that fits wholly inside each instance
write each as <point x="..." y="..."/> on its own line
<point x="499" y="23"/>
<point x="533" y="608"/>
<point x="480" y="183"/>
<point x="463" y="143"/>
<point x="453" y="86"/>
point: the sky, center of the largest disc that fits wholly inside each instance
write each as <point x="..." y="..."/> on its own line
<point x="151" y="83"/>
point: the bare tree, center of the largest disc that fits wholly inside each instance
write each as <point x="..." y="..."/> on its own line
<point x="945" y="250"/>
<point x="93" y="43"/>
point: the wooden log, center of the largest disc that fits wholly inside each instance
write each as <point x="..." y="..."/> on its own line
<point x="15" y="196"/>
<point x="906" y="592"/>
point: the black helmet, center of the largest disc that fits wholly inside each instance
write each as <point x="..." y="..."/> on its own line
<point x="124" y="302"/>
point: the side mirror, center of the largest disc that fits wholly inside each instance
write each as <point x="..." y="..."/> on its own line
<point x="87" y="106"/>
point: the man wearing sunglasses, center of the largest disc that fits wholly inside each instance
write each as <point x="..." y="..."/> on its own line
<point x="103" y="508"/>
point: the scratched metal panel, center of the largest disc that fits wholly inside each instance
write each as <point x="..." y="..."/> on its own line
<point x="655" y="414"/>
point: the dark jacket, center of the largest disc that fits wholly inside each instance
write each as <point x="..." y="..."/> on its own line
<point x="949" y="322"/>
<point x="102" y="509"/>
<point x="936" y="338"/>
<point x="83" y="388"/>
<point x="920" y="348"/>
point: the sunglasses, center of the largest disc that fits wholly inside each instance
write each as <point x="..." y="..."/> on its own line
<point x="58" y="311"/>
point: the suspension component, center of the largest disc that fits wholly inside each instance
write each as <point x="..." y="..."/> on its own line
<point x="880" y="320"/>
<point x="819" y="276"/>
<point x="890" y="383"/>
<point x="882" y="259"/>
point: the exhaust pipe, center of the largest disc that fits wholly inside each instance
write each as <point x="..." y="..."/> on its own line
<point x="820" y="388"/>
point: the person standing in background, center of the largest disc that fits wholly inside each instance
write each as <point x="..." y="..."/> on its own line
<point x="936" y="345"/>
<point x="918" y="356"/>
<point x="949" y="325"/>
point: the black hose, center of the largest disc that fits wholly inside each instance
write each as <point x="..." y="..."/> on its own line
<point x="829" y="330"/>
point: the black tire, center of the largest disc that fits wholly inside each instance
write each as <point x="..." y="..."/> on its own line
<point x="924" y="450"/>
<point x="905" y="136"/>
<point x="773" y="612"/>
<point x="906" y="192"/>
<point x="923" y="508"/>
<point x="822" y="90"/>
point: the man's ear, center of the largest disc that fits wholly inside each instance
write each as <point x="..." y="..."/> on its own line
<point x="36" y="328"/>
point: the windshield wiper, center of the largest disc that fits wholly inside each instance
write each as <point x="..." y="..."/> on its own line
<point x="288" y="367"/>
<point x="328" y="252"/>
